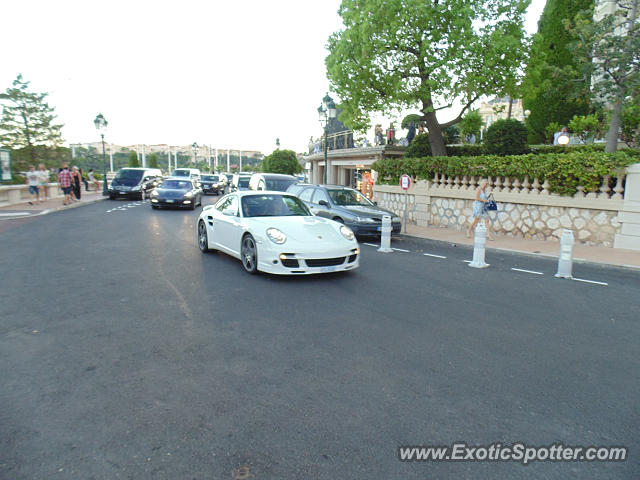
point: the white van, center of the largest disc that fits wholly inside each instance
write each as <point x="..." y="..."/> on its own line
<point x="191" y="173"/>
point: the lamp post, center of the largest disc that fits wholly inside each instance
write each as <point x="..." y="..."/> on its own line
<point x="194" y="147"/>
<point x="101" y="126"/>
<point x="326" y="111"/>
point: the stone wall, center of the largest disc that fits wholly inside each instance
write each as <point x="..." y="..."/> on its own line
<point x="525" y="210"/>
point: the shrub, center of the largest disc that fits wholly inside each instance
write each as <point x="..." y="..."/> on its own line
<point x="420" y="147"/>
<point x="282" y="161"/>
<point x="564" y="172"/>
<point x="585" y="126"/>
<point x="506" y="137"/>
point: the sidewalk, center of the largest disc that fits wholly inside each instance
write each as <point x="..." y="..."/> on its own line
<point x="605" y="255"/>
<point x="22" y="210"/>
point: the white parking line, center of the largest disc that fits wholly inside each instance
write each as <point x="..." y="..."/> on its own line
<point x="400" y="250"/>
<point x="432" y="255"/>
<point x="14" y="214"/>
<point x="466" y="261"/>
<point x="590" y="281"/>
<point x="371" y="245"/>
<point x="527" y="271"/>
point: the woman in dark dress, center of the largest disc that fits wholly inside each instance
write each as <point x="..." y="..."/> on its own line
<point x="75" y="182"/>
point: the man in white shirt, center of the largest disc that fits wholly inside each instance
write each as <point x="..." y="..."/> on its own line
<point x="32" y="181"/>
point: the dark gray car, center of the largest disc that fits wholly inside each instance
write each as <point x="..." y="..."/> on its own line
<point x="346" y="205"/>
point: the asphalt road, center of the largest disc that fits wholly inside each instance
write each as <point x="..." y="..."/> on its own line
<point x="126" y="353"/>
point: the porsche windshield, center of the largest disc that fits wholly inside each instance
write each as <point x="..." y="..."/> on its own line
<point x="273" y="206"/>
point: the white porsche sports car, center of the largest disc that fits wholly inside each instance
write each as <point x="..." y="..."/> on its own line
<point x="275" y="232"/>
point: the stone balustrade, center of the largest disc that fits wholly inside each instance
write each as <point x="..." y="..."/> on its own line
<point x="525" y="208"/>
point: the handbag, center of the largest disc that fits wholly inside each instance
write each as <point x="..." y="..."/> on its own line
<point x="491" y="204"/>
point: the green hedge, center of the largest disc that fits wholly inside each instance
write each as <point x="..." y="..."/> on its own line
<point x="564" y="172"/>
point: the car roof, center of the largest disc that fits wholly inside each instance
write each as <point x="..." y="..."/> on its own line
<point x="182" y="179"/>
<point x="276" y="175"/>
<point x="250" y="193"/>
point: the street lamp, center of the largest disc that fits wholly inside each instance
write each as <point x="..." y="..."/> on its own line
<point x="194" y="147"/>
<point x="101" y="125"/>
<point x="326" y="111"/>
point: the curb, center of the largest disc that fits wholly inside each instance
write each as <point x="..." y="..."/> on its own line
<point x="532" y="254"/>
<point x="57" y="209"/>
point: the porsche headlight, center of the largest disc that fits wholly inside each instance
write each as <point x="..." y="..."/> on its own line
<point x="188" y="195"/>
<point x="346" y="232"/>
<point x="276" y="236"/>
<point x="136" y="189"/>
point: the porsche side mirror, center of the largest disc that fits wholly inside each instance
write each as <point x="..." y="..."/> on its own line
<point x="323" y="203"/>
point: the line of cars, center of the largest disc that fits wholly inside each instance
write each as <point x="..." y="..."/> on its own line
<point x="270" y="222"/>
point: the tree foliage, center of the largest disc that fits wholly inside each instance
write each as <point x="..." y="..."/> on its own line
<point x="608" y="50"/>
<point x="282" y="161"/>
<point x="133" y="160"/>
<point x="28" y="121"/>
<point x="506" y="137"/>
<point x="471" y="124"/>
<point x="552" y="90"/>
<point x="412" y="53"/>
<point x="153" y="161"/>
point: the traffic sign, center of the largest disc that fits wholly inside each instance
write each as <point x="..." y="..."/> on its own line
<point x="405" y="182"/>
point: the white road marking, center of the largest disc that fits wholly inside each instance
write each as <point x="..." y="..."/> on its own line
<point x="590" y="281"/>
<point x="432" y="255"/>
<point x="527" y="271"/>
<point x="466" y="261"/>
<point x="371" y="245"/>
<point x="400" y="250"/>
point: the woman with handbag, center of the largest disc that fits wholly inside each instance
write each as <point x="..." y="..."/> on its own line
<point x="480" y="209"/>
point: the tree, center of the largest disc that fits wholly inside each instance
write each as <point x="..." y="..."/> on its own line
<point x="471" y="124"/>
<point x="551" y="89"/>
<point x="133" y="160"/>
<point x="506" y="137"/>
<point x="28" y="121"/>
<point x="153" y="161"/>
<point x="414" y="53"/>
<point x="609" y="53"/>
<point x="282" y="161"/>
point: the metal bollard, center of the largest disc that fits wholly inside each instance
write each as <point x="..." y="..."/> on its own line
<point x="565" y="261"/>
<point x="479" y="243"/>
<point x="385" y="235"/>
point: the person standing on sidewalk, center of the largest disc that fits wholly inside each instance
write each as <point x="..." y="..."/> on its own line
<point x="32" y="181"/>
<point x="64" y="178"/>
<point x="480" y="209"/>
<point x="84" y="180"/>
<point x="75" y="182"/>
<point x="92" y="179"/>
<point x="43" y="181"/>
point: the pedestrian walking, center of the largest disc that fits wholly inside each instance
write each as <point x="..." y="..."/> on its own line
<point x="391" y="135"/>
<point x="84" y="180"/>
<point x="480" y="210"/>
<point x="64" y="179"/>
<point x="75" y="182"/>
<point x="43" y="181"/>
<point x="32" y="181"/>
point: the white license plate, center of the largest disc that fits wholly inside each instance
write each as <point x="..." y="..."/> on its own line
<point x="122" y="193"/>
<point x="328" y="269"/>
<point x="169" y="201"/>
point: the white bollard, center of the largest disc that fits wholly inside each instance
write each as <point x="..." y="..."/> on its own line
<point x="385" y="235"/>
<point x="565" y="261"/>
<point x="479" y="243"/>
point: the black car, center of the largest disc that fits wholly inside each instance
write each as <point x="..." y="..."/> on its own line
<point x="133" y="183"/>
<point x="212" y="184"/>
<point x="177" y="192"/>
<point x="347" y="206"/>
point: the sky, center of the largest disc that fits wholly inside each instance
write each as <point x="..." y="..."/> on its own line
<point x="231" y="75"/>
